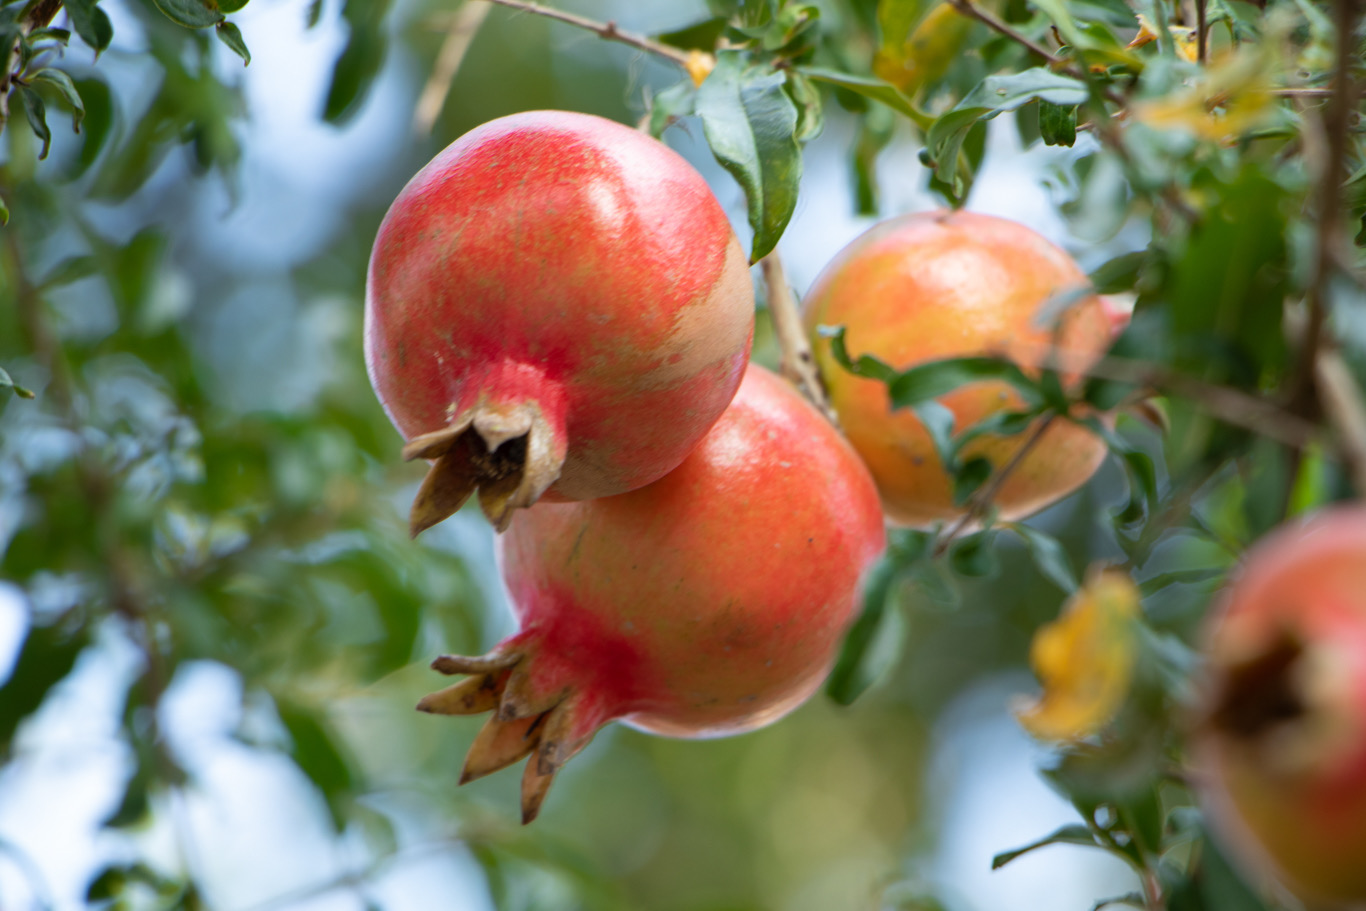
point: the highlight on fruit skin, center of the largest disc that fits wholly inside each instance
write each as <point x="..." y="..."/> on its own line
<point x="556" y="306"/>
<point x="943" y="284"/>
<point x="709" y="603"/>
<point x="1280" y="747"/>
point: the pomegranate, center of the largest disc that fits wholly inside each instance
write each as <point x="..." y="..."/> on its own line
<point x="556" y="305"/>
<point x="709" y="603"/>
<point x="949" y="284"/>
<point x="1282" y="741"/>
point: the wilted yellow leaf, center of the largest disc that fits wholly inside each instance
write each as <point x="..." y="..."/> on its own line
<point x="1232" y="99"/>
<point x="1186" y="39"/>
<point x="1085" y="660"/>
<point x="922" y="54"/>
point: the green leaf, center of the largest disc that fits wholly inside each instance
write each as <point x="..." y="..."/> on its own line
<point x="97" y="124"/>
<point x="969" y="478"/>
<point x="189" y="13"/>
<point x="807" y="98"/>
<point x="868" y="87"/>
<point x="63" y="84"/>
<point x="1047" y="555"/>
<point x="359" y="62"/>
<point x="47" y="656"/>
<point x="60" y="35"/>
<point x="4" y="212"/>
<point x="674" y="103"/>
<point x="1068" y="835"/>
<point x="318" y="754"/>
<point x="231" y="35"/>
<point x="877" y="126"/>
<point x="1057" y="11"/>
<point x="867" y="365"/>
<point x="91" y="23"/>
<point x="975" y="555"/>
<point x="1058" y="124"/>
<point x="992" y="96"/>
<point x="867" y="652"/>
<point x="36" y="112"/>
<point x="1120" y="273"/>
<point x="71" y="269"/>
<point x="8" y="385"/>
<point x="750" y="124"/>
<point x="936" y="378"/>
<point x="996" y="424"/>
<point x="700" y="36"/>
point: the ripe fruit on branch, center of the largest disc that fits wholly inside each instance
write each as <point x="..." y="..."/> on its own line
<point x="556" y="305"/>
<point x="1282" y="741"/>
<point x="709" y="603"/>
<point x="951" y="284"/>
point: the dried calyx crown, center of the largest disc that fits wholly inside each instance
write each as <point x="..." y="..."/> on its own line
<point x="507" y="454"/>
<point x="550" y="727"/>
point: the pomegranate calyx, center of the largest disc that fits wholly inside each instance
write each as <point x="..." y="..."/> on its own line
<point x="550" y="728"/>
<point x="508" y="454"/>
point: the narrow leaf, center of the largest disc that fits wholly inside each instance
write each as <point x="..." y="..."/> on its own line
<point x="36" y="112"/>
<point x="936" y="378"/>
<point x="231" y="35"/>
<point x="63" y="84"/>
<point x="855" y="670"/>
<point x="8" y="384"/>
<point x="91" y="23"/>
<point x="1048" y="556"/>
<point x="992" y="96"/>
<point x="867" y="365"/>
<point x="1067" y="835"/>
<point x="189" y="13"/>
<point x="875" y="89"/>
<point x="1058" y="123"/>
<point x="71" y="269"/>
<point x="750" y="124"/>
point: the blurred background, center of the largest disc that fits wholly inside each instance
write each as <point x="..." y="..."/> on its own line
<point x="203" y="546"/>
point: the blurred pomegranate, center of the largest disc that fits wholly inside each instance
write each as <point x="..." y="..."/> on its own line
<point x="709" y="603"/>
<point x="951" y="284"/>
<point x="1282" y="743"/>
<point x="556" y="306"/>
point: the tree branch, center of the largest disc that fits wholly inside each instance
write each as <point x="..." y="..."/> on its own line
<point x="607" y="30"/>
<point x="798" y="363"/>
<point x="989" y="19"/>
<point x="1308" y="380"/>
<point x="981" y="500"/>
<point x="459" y="36"/>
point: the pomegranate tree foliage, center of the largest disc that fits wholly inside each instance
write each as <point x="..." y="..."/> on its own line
<point x="136" y="505"/>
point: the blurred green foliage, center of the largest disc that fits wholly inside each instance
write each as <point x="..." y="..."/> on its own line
<point x="140" y="501"/>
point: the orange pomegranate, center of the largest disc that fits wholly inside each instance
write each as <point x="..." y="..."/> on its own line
<point x="1281" y="751"/>
<point x="949" y="284"/>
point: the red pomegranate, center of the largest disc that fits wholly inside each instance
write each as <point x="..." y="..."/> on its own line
<point x="708" y="603"/>
<point x="952" y="284"/>
<point x="556" y="305"/>
<point x="1282" y="744"/>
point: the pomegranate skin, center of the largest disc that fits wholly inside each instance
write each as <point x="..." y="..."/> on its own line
<point x="949" y="284"/>
<point x="557" y="303"/>
<point x="709" y="603"/>
<point x="1282" y="741"/>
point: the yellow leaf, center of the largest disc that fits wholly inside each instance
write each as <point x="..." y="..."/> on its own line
<point x="1186" y="39"/>
<point x="1085" y="660"/>
<point x="922" y="56"/>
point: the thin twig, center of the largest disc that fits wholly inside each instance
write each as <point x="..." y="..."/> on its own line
<point x="1201" y="27"/>
<point x="798" y="364"/>
<point x="607" y="30"/>
<point x="1302" y="92"/>
<point x="1343" y="406"/>
<point x="1232" y="406"/>
<point x="981" y="500"/>
<point x="459" y="36"/>
<point x="989" y="19"/>
<point x="1331" y="239"/>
